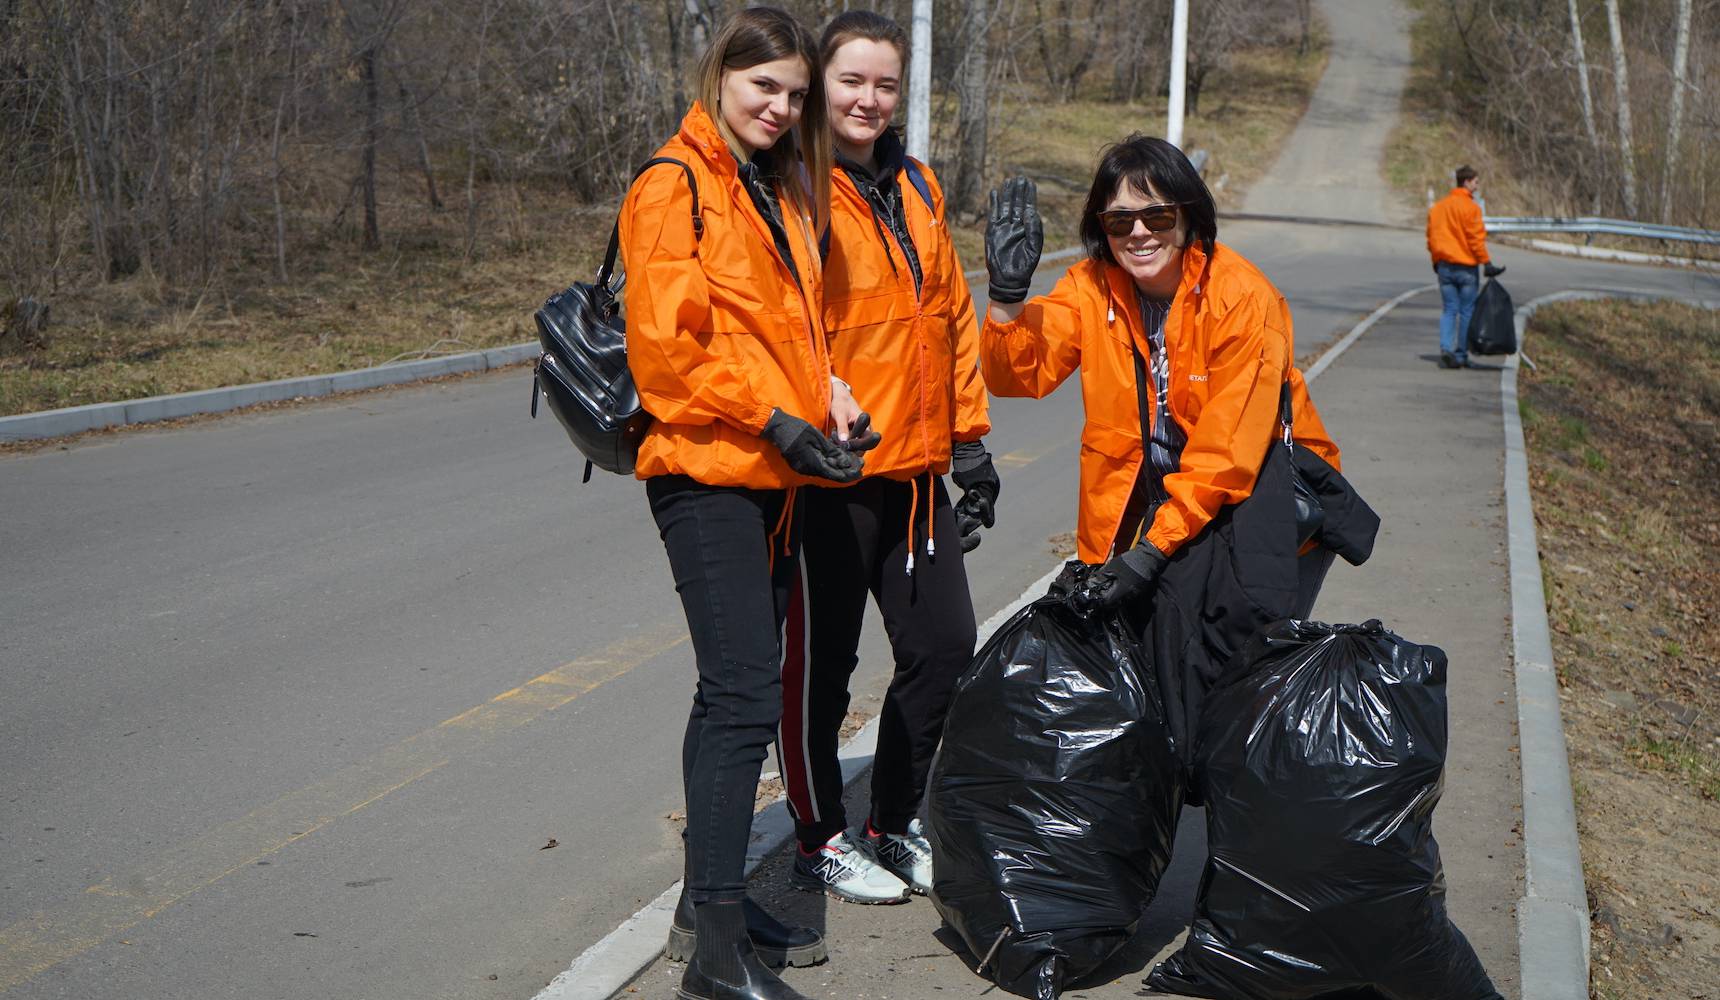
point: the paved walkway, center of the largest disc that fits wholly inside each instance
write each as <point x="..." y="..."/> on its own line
<point x="1329" y="169"/>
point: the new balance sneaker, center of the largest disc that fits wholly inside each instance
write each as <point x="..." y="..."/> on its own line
<point x="842" y="871"/>
<point x="907" y="856"/>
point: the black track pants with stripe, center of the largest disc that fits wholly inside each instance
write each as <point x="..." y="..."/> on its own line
<point x="857" y="542"/>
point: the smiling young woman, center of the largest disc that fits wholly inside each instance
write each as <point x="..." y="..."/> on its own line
<point x="725" y="339"/>
<point x="901" y="328"/>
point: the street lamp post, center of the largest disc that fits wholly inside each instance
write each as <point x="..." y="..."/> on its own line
<point x="920" y="83"/>
<point x="1179" y="73"/>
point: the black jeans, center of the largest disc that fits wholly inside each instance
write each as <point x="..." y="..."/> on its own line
<point x="858" y="541"/>
<point x="734" y="557"/>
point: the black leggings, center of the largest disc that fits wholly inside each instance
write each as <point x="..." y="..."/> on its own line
<point x="734" y="554"/>
<point x="858" y="542"/>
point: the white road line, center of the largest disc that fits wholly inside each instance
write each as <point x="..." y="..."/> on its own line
<point x="1325" y="360"/>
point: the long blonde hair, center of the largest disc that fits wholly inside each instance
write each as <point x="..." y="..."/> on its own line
<point x="765" y="34"/>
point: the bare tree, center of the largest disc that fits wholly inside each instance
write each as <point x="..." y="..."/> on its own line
<point x="972" y="85"/>
<point x="1583" y="80"/>
<point x="1621" y="92"/>
<point x="1675" y="123"/>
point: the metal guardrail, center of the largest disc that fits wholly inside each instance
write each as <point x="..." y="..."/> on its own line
<point x="1593" y="226"/>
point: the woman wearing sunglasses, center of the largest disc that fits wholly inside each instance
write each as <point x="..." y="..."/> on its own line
<point x="1183" y="347"/>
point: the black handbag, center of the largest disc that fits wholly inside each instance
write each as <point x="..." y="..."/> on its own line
<point x="582" y="373"/>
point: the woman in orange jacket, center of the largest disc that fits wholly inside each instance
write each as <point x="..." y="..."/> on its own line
<point x="725" y="340"/>
<point x="1183" y="348"/>
<point x="901" y="329"/>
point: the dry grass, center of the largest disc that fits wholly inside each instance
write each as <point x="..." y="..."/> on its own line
<point x="346" y="309"/>
<point x="1620" y="419"/>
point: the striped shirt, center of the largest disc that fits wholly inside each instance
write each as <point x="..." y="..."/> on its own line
<point x="1165" y="444"/>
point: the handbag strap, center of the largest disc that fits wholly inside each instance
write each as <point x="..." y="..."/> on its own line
<point x="1286" y="414"/>
<point x="607" y="271"/>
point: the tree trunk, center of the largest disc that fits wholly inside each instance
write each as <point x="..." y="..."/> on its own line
<point x="409" y="112"/>
<point x="280" y="210"/>
<point x="372" y="114"/>
<point x="1675" y="127"/>
<point x="972" y="78"/>
<point x="1583" y="83"/>
<point x="1621" y="93"/>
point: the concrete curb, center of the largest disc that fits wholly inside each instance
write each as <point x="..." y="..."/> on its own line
<point x="77" y="419"/>
<point x="1553" y="915"/>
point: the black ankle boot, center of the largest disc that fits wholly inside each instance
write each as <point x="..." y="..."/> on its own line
<point x="777" y="943"/>
<point x="724" y="965"/>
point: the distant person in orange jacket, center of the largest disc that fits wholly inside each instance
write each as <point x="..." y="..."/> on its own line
<point x="1457" y="242"/>
<point x="901" y="329"/>
<point x="725" y="339"/>
<point x="1160" y="318"/>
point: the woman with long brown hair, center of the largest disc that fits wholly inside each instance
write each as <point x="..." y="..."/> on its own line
<point x="726" y="343"/>
<point x="901" y="329"/>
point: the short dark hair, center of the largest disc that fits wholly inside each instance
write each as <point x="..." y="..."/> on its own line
<point x="1148" y="163"/>
<point x="1465" y="174"/>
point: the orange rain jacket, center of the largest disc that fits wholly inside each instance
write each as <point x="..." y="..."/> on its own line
<point x="1231" y="347"/>
<point x="911" y="357"/>
<point x="719" y="332"/>
<point x="1455" y="232"/>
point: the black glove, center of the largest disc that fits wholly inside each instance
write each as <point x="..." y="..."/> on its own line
<point x="1072" y="580"/>
<point x="1014" y="238"/>
<point x="972" y="470"/>
<point x="1125" y="579"/>
<point x="1492" y="270"/>
<point x="807" y="451"/>
<point x="861" y="436"/>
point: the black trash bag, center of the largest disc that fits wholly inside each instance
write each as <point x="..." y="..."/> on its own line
<point x="1322" y="756"/>
<point x="1493" y="324"/>
<point x="1054" y="799"/>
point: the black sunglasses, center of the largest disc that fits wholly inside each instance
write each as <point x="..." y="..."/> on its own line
<point x="1157" y="219"/>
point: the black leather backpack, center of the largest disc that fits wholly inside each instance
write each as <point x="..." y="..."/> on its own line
<point x="582" y="373"/>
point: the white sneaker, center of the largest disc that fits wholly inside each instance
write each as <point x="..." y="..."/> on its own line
<point x="842" y="871"/>
<point x="908" y="856"/>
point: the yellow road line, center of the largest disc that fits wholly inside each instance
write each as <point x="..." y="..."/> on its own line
<point x="1023" y="457"/>
<point x="49" y="937"/>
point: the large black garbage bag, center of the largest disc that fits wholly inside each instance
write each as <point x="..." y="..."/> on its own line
<point x="1493" y="324"/>
<point x="1322" y="756"/>
<point x="1054" y="799"/>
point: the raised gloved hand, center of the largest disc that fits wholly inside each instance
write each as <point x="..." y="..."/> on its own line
<point x="971" y="468"/>
<point x="809" y="452"/>
<point x="861" y="436"/>
<point x="1124" y="579"/>
<point x="1492" y="270"/>
<point x="1014" y="238"/>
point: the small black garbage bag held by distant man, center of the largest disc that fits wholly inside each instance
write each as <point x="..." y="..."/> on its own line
<point x="1322" y="755"/>
<point x="1493" y="325"/>
<point x="1054" y="799"/>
